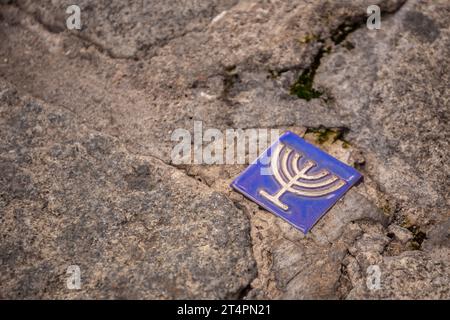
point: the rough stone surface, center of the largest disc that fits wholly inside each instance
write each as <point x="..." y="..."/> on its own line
<point x="86" y="123"/>
<point x="136" y="227"/>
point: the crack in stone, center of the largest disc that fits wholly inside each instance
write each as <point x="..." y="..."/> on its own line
<point x="54" y="29"/>
<point x="244" y="291"/>
<point x="160" y="44"/>
<point x="303" y="87"/>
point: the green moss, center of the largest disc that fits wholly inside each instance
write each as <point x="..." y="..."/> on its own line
<point x="308" y="38"/>
<point x="345" y="144"/>
<point x="323" y="135"/>
<point x="303" y="87"/>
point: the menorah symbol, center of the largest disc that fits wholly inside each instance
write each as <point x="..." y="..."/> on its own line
<point x="297" y="180"/>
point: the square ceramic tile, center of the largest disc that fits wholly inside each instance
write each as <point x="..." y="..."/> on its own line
<point x="296" y="181"/>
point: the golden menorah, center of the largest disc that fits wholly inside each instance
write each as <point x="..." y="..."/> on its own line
<point x="285" y="168"/>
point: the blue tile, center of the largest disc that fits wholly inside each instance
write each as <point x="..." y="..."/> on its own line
<point x="296" y="181"/>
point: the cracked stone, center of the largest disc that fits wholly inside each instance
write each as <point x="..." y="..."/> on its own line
<point x="136" y="227"/>
<point x="86" y="158"/>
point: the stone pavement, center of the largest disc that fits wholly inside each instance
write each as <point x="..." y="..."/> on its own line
<point x="86" y="119"/>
